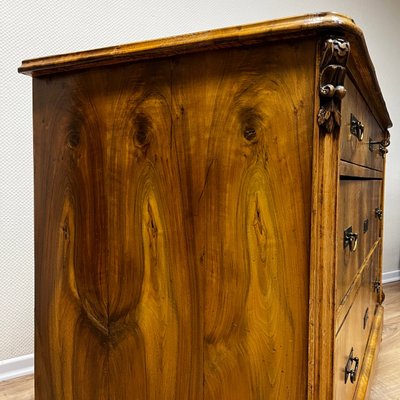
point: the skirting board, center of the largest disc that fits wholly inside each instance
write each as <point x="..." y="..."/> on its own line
<point x="391" y="276"/>
<point x="15" y="367"/>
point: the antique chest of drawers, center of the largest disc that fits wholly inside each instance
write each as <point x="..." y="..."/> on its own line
<point x="208" y="213"/>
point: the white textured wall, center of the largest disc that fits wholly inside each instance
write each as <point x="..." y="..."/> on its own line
<point x="36" y="28"/>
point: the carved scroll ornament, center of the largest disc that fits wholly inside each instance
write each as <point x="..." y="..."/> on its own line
<point x="333" y="69"/>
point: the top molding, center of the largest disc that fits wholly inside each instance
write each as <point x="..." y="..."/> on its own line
<point x="327" y="23"/>
<point x="195" y="42"/>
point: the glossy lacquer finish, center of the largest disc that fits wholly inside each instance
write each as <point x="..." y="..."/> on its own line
<point x="191" y="198"/>
<point x="167" y="265"/>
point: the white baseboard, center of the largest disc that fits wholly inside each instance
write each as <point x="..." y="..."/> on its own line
<point x="391" y="276"/>
<point x="15" y="367"/>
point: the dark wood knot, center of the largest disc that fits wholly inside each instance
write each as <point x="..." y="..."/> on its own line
<point x="74" y="138"/>
<point x="142" y="130"/>
<point x="251" y="121"/>
<point x="74" y="130"/>
<point x="249" y="134"/>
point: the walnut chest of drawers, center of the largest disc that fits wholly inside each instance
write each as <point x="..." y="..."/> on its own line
<point x="208" y="213"/>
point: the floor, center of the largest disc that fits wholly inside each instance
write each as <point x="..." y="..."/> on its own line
<point x="386" y="384"/>
<point x="17" y="389"/>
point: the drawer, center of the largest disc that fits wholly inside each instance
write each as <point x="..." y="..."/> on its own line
<point x="353" y="335"/>
<point x="358" y="228"/>
<point x="356" y="148"/>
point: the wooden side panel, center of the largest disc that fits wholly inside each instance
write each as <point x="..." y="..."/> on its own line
<point x="245" y="116"/>
<point x="172" y="219"/>
<point x="117" y="291"/>
<point x="70" y="271"/>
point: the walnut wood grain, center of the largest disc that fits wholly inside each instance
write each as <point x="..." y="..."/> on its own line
<point x="384" y="374"/>
<point x="166" y="264"/>
<point x="116" y="280"/>
<point x="189" y="213"/>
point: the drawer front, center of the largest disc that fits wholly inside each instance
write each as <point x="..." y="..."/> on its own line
<point x="348" y="344"/>
<point x="358" y="129"/>
<point x="353" y="335"/>
<point x="359" y="219"/>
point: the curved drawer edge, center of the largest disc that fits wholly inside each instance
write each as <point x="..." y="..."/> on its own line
<point x="370" y="357"/>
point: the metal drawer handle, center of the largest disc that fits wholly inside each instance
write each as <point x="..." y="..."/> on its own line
<point x="365" y="225"/>
<point x="350" y="239"/>
<point x="356" y="127"/>
<point x="379" y="213"/>
<point x="383" y="144"/>
<point x="349" y="371"/>
<point x="377" y="285"/>
<point x="366" y="317"/>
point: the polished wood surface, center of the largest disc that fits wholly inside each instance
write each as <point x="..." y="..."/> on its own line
<point x="164" y="196"/>
<point x="121" y="280"/>
<point x="385" y="383"/>
<point x="190" y="203"/>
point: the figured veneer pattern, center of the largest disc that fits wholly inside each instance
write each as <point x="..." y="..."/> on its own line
<point x="168" y="247"/>
<point x="187" y="207"/>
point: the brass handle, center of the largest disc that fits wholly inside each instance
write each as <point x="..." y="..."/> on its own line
<point x="379" y="213"/>
<point x="356" y="127"/>
<point x="350" y="239"/>
<point x="350" y="372"/>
